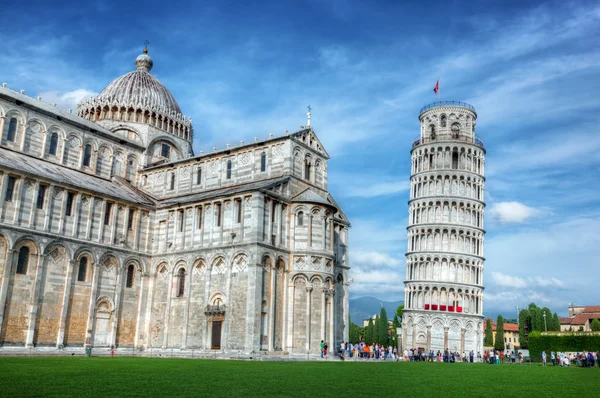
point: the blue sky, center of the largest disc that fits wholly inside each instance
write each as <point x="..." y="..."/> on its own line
<point x="247" y="69"/>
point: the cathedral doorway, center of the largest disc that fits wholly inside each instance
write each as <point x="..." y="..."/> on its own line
<point x="102" y="324"/>
<point x="216" y="335"/>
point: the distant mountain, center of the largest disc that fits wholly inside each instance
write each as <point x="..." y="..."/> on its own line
<point x="364" y="307"/>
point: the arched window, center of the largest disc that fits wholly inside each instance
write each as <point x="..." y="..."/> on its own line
<point x="87" y="155"/>
<point x="455" y="159"/>
<point x="444" y="120"/>
<point x="130" y="173"/>
<point x="300" y="219"/>
<point x="23" y="260"/>
<point x="53" y="144"/>
<point x="307" y="166"/>
<point x="130" y="274"/>
<point x="181" y="283"/>
<point x="12" y="130"/>
<point x="229" y="169"/>
<point x="432" y="128"/>
<point x="263" y="162"/>
<point x="82" y="269"/>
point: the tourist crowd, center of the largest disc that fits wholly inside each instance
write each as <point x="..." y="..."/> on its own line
<point x="586" y="359"/>
<point x="362" y="351"/>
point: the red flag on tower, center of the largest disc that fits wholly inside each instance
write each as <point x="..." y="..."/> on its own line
<point x="437" y="87"/>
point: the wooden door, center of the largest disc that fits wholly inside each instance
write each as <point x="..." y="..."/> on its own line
<point x="216" y="335"/>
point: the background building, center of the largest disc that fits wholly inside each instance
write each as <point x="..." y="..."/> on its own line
<point x="511" y="335"/>
<point x="580" y="317"/>
<point x="112" y="233"/>
<point x="444" y="263"/>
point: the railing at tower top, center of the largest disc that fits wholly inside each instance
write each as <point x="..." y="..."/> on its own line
<point x="445" y="103"/>
<point x="447" y="137"/>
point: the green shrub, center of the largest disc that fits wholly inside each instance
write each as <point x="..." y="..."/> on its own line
<point x="561" y="343"/>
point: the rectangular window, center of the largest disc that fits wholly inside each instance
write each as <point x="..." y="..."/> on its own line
<point x="107" y="211"/>
<point x="181" y="219"/>
<point x="130" y="219"/>
<point x="70" y="197"/>
<point x="199" y="176"/>
<point x="165" y="151"/>
<point x="218" y="214"/>
<point x="238" y="204"/>
<point x="172" y="181"/>
<point x="41" y="196"/>
<point x="199" y="215"/>
<point x="273" y="209"/>
<point x="10" y="187"/>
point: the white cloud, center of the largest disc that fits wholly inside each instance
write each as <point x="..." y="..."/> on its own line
<point x="508" y="280"/>
<point x="67" y="100"/>
<point x="374" y="259"/>
<point x="512" y="212"/>
<point x="544" y="282"/>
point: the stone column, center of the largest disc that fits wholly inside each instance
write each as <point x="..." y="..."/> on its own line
<point x="271" y="331"/>
<point x="346" y="306"/>
<point x="290" y="314"/>
<point x="228" y="314"/>
<point x="323" y="312"/>
<point x="186" y="311"/>
<point x="404" y="337"/>
<point x="308" y="314"/>
<point x="428" y="337"/>
<point x="253" y="307"/>
<point x="11" y="261"/>
<point x="332" y="235"/>
<point x="149" y="304"/>
<point x="64" y="308"/>
<point x="34" y="208"/>
<point x="168" y="310"/>
<point x="20" y="190"/>
<point x="115" y="317"/>
<point x="91" y="309"/>
<point x="284" y="312"/>
<point x="414" y="335"/>
<point x="77" y="207"/>
<point x="206" y="303"/>
<point x="143" y="294"/>
<point x="2" y="196"/>
<point x="34" y="300"/>
<point x="292" y="244"/>
<point x="445" y="338"/>
<point x="332" y="320"/>
<point x="102" y="226"/>
<point x="462" y="340"/>
<point x="309" y="237"/>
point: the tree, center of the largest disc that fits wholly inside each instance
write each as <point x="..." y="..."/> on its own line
<point x="399" y="311"/>
<point x="369" y="332"/>
<point x="396" y="322"/>
<point x="354" y="331"/>
<point x="595" y="326"/>
<point x="383" y="327"/>
<point x="489" y="334"/>
<point x="523" y="327"/>
<point x="376" y="330"/>
<point x="499" y="343"/>
<point x="555" y="322"/>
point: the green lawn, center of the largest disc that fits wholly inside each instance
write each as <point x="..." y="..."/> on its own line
<point x="144" y="377"/>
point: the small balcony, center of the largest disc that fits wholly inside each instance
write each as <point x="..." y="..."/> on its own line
<point x="447" y="137"/>
<point x="447" y="103"/>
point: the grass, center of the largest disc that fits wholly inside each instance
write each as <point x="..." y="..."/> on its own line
<point x="146" y="377"/>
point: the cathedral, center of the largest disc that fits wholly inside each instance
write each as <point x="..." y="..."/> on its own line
<point x="114" y="234"/>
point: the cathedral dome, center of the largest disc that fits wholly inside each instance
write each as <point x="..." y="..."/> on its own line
<point x="138" y="97"/>
<point x="140" y="88"/>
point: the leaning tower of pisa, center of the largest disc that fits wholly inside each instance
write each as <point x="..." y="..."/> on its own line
<point x="443" y="300"/>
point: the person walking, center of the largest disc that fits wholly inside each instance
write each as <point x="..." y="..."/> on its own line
<point x="544" y="357"/>
<point x="322" y="347"/>
<point x="553" y="358"/>
<point x="471" y="355"/>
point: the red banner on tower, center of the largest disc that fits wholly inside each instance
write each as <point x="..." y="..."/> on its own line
<point x="437" y="87"/>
